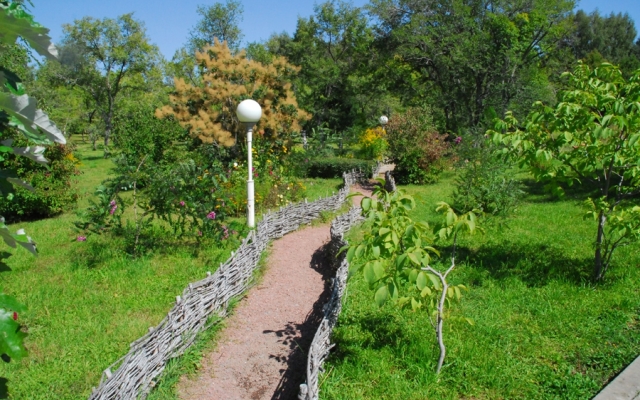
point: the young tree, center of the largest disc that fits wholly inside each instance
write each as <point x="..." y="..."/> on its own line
<point x="99" y="54"/>
<point x="209" y="110"/>
<point x="591" y="137"/>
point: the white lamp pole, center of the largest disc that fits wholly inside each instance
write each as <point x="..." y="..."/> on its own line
<point x="249" y="113"/>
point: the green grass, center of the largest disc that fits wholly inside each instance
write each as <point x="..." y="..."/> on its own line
<point x="87" y="301"/>
<point x="542" y="330"/>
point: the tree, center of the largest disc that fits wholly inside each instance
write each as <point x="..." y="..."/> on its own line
<point x="468" y="55"/>
<point x="605" y="38"/>
<point x="209" y="110"/>
<point x="397" y="257"/>
<point x="99" y="54"/>
<point x="591" y="137"/>
<point x="218" y="21"/>
<point x="332" y="47"/>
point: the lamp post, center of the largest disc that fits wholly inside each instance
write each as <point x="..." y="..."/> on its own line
<point x="383" y="121"/>
<point x="249" y="113"/>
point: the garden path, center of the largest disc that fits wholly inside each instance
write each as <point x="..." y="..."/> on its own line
<point x="261" y="353"/>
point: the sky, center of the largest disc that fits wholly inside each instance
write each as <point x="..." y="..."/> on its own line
<point x="168" y="22"/>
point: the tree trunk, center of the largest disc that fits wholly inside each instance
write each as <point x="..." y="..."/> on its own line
<point x="598" y="267"/>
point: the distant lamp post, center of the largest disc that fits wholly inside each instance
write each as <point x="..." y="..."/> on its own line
<point x="249" y="113"/>
<point x="383" y="120"/>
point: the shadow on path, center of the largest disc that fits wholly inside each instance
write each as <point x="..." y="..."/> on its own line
<point x="298" y="337"/>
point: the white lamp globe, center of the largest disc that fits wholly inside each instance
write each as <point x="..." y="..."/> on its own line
<point x="384" y="120"/>
<point x="249" y="111"/>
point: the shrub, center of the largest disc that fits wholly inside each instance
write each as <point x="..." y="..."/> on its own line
<point x="52" y="183"/>
<point x="373" y="143"/>
<point x="334" y="167"/>
<point x="415" y="147"/>
<point x="484" y="183"/>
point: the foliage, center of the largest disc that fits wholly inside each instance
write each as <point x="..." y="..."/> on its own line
<point x="333" y="49"/>
<point x="18" y="110"/>
<point x="396" y="254"/>
<point x="373" y="143"/>
<point x="334" y="167"/>
<point x="590" y="138"/>
<point x="605" y="38"/>
<point x="99" y="56"/>
<point x="52" y="191"/>
<point x="209" y="111"/>
<point x="415" y="147"/>
<point x="217" y="21"/>
<point x="467" y="56"/>
<point x="485" y="181"/>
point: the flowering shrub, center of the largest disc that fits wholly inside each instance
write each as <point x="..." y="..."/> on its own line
<point x="416" y="148"/>
<point x="373" y="143"/>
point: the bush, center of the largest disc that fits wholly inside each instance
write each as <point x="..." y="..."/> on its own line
<point x="484" y="182"/>
<point x="52" y="183"/>
<point x="373" y="143"/>
<point x="415" y="147"/>
<point x="334" y="167"/>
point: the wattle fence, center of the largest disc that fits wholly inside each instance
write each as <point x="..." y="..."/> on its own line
<point x="134" y="375"/>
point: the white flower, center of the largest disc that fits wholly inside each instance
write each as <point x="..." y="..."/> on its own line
<point x="235" y="165"/>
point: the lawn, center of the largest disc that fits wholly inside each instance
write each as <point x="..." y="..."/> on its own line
<point x="87" y="301"/>
<point x="542" y="329"/>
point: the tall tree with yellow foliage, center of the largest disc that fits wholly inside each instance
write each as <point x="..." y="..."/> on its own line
<point x="208" y="110"/>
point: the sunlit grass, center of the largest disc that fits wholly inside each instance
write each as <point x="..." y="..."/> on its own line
<point x="542" y="329"/>
<point x="87" y="301"/>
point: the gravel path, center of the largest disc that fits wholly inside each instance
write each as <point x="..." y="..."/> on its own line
<point x="261" y="353"/>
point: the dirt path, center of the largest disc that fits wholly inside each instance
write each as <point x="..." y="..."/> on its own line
<point x="261" y="354"/>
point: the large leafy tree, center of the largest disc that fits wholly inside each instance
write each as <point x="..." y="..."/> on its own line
<point x="332" y="47"/>
<point x="598" y="38"/>
<point x="100" y="54"/>
<point x="218" y="21"/>
<point x="590" y="138"/>
<point x="471" y="55"/>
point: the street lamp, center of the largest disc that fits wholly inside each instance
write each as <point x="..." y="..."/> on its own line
<point x="249" y="113"/>
<point x="383" y="120"/>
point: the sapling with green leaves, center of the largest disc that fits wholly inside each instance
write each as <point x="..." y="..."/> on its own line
<point x="396" y="257"/>
<point x="592" y="136"/>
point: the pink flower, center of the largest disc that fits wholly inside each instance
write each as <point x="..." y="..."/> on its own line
<point x="211" y="215"/>
<point x="81" y="239"/>
<point x="113" y="203"/>
<point x="181" y="203"/>
<point x="113" y="209"/>
<point x="458" y="140"/>
<point x="199" y="233"/>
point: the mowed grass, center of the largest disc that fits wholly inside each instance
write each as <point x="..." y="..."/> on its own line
<point x="542" y="330"/>
<point x="87" y="301"/>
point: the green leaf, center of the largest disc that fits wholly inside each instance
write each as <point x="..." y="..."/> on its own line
<point x="413" y="275"/>
<point x="369" y="275"/>
<point x="376" y="251"/>
<point x="415" y="304"/>
<point x="421" y="280"/>
<point x="425" y="292"/>
<point x="351" y="253"/>
<point x="17" y="23"/>
<point x="11" y="339"/>
<point x="435" y="281"/>
<point x="414" y="258"/>
<point x="458" y="293"/>
<point x="381" y="295"/>
<point x="23" y="108"/>
<point x="365" y="203"/>
<point x="470" y="321"/>
<point x="378" y="269"/>
<point x="360" y="250"/>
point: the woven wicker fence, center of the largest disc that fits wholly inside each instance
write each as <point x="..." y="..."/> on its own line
<point x="321" y="344"/>
<point x="137" y="371"/>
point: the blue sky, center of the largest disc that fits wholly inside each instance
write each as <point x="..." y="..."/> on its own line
<point x="168" y="22"/>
